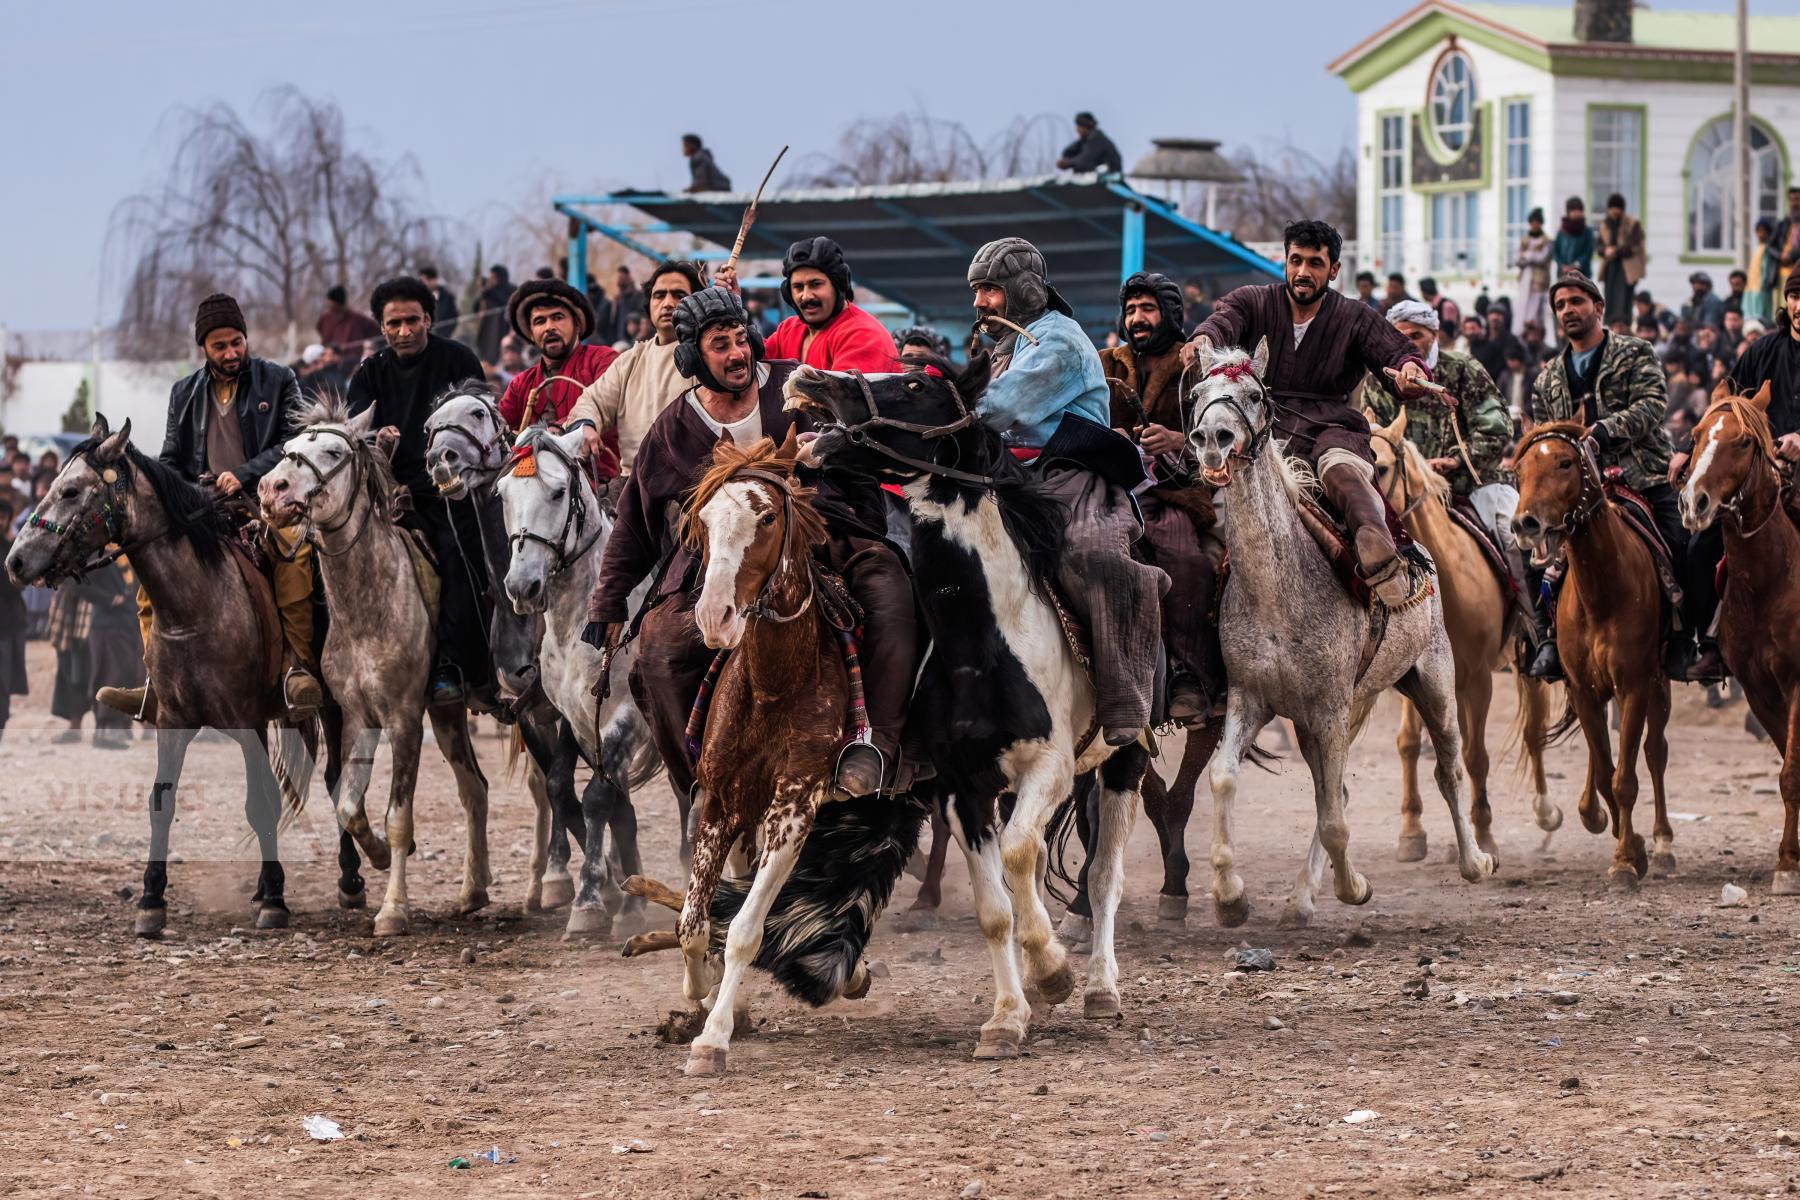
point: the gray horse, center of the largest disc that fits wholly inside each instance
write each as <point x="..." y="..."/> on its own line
<point x="558" y="532"/>
<point x="1295" y="642"/>
<point x="379" y="646"/>
<point x="467" y="446"/>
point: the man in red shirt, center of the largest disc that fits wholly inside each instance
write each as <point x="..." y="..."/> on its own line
<point x="554" y="317"/>
<point x="830" y="332"/>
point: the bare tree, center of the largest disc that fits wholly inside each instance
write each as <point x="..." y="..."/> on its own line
<point x="920" y="148"/>
<point x="1284" y="185"/>
<point x="274" y="215"/>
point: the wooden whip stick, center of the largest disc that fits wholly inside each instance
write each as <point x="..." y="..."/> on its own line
<point x="1449" y="402"/>
<point x="737" y="247"/>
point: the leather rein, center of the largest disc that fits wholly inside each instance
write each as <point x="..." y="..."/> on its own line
<point x="107" y="517"/>
<point x="1734" y="507"/>
<point x="490" y="456"/>
<point x="1593" y="489"/>
<point x="858" y="434"/>
<point x="575" y="515"/>
<point x="355" y="450"/>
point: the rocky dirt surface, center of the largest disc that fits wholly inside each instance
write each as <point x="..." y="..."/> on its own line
<point x="1536" y="1034"/>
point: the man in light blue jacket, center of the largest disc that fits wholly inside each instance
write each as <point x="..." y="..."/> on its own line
<point x="1049" y="393"/>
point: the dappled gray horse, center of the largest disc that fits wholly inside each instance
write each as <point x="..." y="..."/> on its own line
<point x="208" y="652"/>
<point x="379" y="648"/>
<point x="467" y="445"/>
<point x="558" y="533"/>
<point x="1295" y="641"/>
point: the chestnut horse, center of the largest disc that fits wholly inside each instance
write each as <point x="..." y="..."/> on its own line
<point x="1609" y="627"/>
<point x="1734" y="480"/>
<point x="1479" y="620"/>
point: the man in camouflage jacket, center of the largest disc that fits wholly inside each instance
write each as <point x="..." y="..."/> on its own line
<point x="1613" y="385"/>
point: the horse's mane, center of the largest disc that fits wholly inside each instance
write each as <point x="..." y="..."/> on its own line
<point x="474" y="387"/>
<point x="1033" y="519"/>
<point x="1436" y="486"/>
<point x="724" y="464"/>
<point x="329" y="408"/>
<point x="1755" y="420"/>
<point x="192" y="512"/>
<point x="1573" y="430"/>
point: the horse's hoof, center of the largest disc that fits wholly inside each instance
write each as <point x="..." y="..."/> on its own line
<point x="1076" y="931"/>
<point x="1411" y="848"/>
<point x="1052" y="989"/>
<point x="1785" y="883"/>
<point x="705" y="1060"/>
<point x="1359" y="892"/>
<point x="1484" y="841"/>
<point x="356" y="899"/>
<point x="272" y="916"/>
<point x="391" y="925"/>
<point x="1100" y="1006"/>
<point x="997" y="1043"/>
<point x="1662" y="863"/>
<point x="1640" y="858"/>
<point x="1549" y="816"/>
<point x="1593" y="818"/>
<point x="591" y="921"/>
<point x="1172" y="911"/>
<point x="1479" y="867"/>
<point x="1295" y="917"/>
<point x="920" y="920"/>
<point x="1622" y="878"/>
<point x="857" y="986"/>
<point x="1231" y="913"/>
<point x="474" y="902"/>
<point x="557" y="891"/>
<point x="150" y="922"/>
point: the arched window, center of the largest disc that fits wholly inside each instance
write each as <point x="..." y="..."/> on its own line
<point x="1712" y="202"/>
<point x="1453" y="101"/>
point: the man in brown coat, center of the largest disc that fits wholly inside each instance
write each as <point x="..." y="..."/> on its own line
<point x="1144" y="376"/>
<point x="1320" y="343"/>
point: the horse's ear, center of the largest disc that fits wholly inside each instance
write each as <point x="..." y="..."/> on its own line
<point x="975" y="376"/>
<point x="112" y="449"/>
<point x="1724" y="389"/>
<point x="362" y="422"/>
<point x="1396" y="429"/>
<point x="101" y="430"/>
<point x="571" y="443"/>
<point x="790" y="446"/>
<point x="1761" y="398"/>
<point x="1203" y="354"/>
<point x="1259" y="358"/>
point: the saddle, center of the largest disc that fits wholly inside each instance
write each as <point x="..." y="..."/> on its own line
<point x="1334" y="540"/>
<point x="425" y="573"/>
<point x="249" y="562"/>
<point x="1490" y="547"/>
<point x="1636" y="511"/>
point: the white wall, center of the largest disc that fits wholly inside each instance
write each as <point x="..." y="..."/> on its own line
<point x="41" y="392"/>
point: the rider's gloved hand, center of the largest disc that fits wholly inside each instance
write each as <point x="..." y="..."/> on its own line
<point x="594" y="634"/>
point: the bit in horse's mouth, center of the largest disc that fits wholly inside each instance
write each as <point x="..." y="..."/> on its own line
<point x="451" y="488"/>
<point x="1217" y="476"/>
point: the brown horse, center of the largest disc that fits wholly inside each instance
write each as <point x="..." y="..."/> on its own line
<point x="1478" y="618"/>
<point x="1735" y="480"/>
<point x="1609" y="625"/>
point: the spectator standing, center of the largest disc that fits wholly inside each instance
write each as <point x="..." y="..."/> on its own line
<point x="1365" y="289"/>
<point x="1394" y="292"/>
<point x="491" y="329"/>
<point x="1759" y="289"/>
<point x="1448" y="314"/>
<point x="1536" y="347"/>
<point x="703" y="173"/>
<point x="1091" y="150"/>
<point x="601" y="334"/>
<point x="12" y="625"/>
<point x="73" y="693"/>
<point x="341" y="326"/>
<point x="628" y="301"/>
<point x="1573" y="249"/>
<point x="1787" y="242"/>
<point x="444" y="310"/>
<point x="1704" y="307"/>
<point x="1515" y="383"/>
<point x="1620" y="240"/>
<point x="1735" y="284"/>
<point x="1500" y="343"/>
<point x="1533" y="262"/>
<point x="115" y="650"/>
<point x="1195" y="308"/>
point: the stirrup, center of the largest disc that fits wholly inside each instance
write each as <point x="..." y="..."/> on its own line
<point x="1390" y="584"/>
<point x="444" y="670"/>
<point x="294" y="711"/>
<point x="837" y="766"/>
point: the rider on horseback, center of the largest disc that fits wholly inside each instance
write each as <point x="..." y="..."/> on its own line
<point x="1049" y="394"/>
<point x="737" y="394"/>
<point x="227" y="424"/>
<point x="1612" y="384"/>
<point x="1145" y="375"/>
<point x="1320" y="343"/>
<point x="555" y="318"/>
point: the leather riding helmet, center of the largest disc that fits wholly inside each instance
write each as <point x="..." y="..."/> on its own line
<point x="1167" y="295"/>
<point x="1017" y="267"/>
<point x="698" y="313"/>
<point x="821" y="254"/>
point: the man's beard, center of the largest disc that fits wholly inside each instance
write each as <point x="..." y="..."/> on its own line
<point x="228" y="370"/>
<point x="1140" y="336"/>
<point x="1431" y="355"/>
<point x="1297" y="298"/>
<point x="555" y="351"/>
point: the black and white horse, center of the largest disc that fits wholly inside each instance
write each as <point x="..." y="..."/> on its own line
<point x="1002" y="701"/>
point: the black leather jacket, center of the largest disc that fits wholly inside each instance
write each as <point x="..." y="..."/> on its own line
<point x="267" y="399"/>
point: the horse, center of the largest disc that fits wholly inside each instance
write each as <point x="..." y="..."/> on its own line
<point x="1479" y="619"/>
<point x="1298" y="645"/>
<point x="774" y="725"/>
<point x="467" y="445"/>
<point x="557" y="532"/>
<point x="378" y="649"/>
<point x="1003" y="703"/>
<point x="208" y="656"/>
<point x="1609" y="625"/>
<point x="1735" y="480"/>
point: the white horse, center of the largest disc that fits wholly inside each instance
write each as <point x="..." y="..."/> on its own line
<point x="1295" y="641"/>
<point x="558" y="534"/>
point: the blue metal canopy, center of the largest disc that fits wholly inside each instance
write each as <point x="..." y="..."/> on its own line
<point x="911" y="243"/>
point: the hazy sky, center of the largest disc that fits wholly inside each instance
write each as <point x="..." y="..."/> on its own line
<point x="495" y="101"/>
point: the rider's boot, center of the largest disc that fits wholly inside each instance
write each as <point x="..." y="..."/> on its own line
<point x="446" y="685"/>
<point x="862" y="769"/>
<point x="1696" y="660"/>
<point x="1365" y="519"/>
<point x="889" y="659"/>
<point x="1188" y="705"/>
<point x="1546" y="663"/>
<point x="139" y="702"/>
<point x="301" y="692"/>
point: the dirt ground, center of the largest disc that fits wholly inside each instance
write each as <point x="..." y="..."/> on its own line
<point x="1574" y="1040"/>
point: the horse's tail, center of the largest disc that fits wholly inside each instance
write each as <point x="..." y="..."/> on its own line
<point x="1557" y="732"/>
<point x="292" y="756"/>
<point x="822" y="918"/>
<point x="515" y="750"/>
<point x="1057" y="833"/>
<point x="1527" y="735"/>
<point x="1359" y="714"/>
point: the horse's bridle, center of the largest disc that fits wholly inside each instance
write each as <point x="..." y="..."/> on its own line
<point x="575" y="516"/>
<point x="1407" y="500"/>
<point x="490" y="457"/>
<point x="1734" y="506"/>
<point x="353" y="457"/>
<point x="107" y="517"/>
<point x="1239" y="371"/>
<point x="858" y="434"/>
<point x="1593" y="487"/>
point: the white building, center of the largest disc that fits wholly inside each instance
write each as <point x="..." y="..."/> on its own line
<point x="1469" y="115"/>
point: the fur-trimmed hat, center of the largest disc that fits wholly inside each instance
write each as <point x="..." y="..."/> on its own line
<point x="218" y="311"/>
<point x="538" y="292"/>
